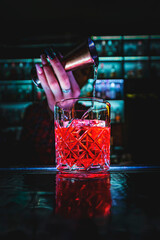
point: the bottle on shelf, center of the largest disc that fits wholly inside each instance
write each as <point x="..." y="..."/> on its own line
<point x="112" y="91"/>
<point x="139" y="72"/>
<point x="103" y="51"/>
<point x="98" y="89"/>
<point x="21" y="74"/>
<point x="101" y="71"/>
<point x="6" y="71"/>
<point x="110" y="48"/>
<point x="130" y="49"/>
<point x="28" y="93"/>
<point x="98" y="47"/>
<point x="1" y="72"/>
<point x="130" y="74"/>
<point x="27" y="71"/>
<point x="87" y="89"/>
<point x="113" y="72"/>
<point x="117" y="116"/>
<point x="116" y="49"/>
<point x="103" y="89"/>
<point x="113" y="115"/>
<point x="140" y="51"/>
<point x="118" y="91"/>
<point x="13" y="71"/>
<point x="107" y="90"/>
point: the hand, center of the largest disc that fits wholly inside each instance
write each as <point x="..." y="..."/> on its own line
<point x="56" y="82"/>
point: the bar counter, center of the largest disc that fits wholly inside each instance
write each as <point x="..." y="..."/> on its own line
<point x="41" y="203"/>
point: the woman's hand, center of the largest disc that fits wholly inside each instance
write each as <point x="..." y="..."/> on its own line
<point x="56" y="82"/>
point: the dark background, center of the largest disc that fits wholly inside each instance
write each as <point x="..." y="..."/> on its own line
<point x="30" y="19"/>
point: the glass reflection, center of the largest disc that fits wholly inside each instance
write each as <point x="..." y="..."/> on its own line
<point x="83" y="197"/>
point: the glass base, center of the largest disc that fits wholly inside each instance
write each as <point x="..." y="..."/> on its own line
<point x="92" y="172"/>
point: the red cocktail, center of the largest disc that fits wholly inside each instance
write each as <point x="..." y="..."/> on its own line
<point x="83" y="142"/>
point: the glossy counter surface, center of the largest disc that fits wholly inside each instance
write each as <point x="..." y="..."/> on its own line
<point x="38" y="203"/>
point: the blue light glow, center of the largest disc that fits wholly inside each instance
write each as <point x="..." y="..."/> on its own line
<point x="54" y="169"/>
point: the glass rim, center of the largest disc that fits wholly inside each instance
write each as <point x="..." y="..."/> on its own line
<point x="100" y="100"/>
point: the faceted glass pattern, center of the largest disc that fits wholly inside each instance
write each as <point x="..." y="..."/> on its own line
<point x="82" y="144"/>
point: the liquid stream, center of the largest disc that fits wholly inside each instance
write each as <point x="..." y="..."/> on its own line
<point x="93" y="93"/>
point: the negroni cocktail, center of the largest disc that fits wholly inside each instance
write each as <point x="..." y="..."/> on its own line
<point x="84" y="144"/>
<point x="82" y="135"/>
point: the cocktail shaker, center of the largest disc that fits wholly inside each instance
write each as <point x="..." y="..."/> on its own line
<point x="84" y="55"/>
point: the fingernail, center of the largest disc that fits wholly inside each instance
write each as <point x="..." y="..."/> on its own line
<point x="43" y="58"/>
<point x="59" y="55"/>
<point x="50" y="53"/>
<point x="38" y="68"/>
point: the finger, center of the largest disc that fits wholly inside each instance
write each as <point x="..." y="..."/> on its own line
<point x="44" y="59"/>
<point x="74" y="84"/>
<point x="51" y="79"/>
<point x="49" y="95"/>
<point x="58" y="69"/>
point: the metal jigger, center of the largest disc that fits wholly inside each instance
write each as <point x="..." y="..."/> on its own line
<point x="84" y="55"/>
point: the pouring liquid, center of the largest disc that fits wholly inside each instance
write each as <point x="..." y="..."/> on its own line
<point x="94" y="79"/>
<point x="85" y="115"/>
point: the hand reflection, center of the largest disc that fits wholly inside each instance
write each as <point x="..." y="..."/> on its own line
<point x="83" y="197"/>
